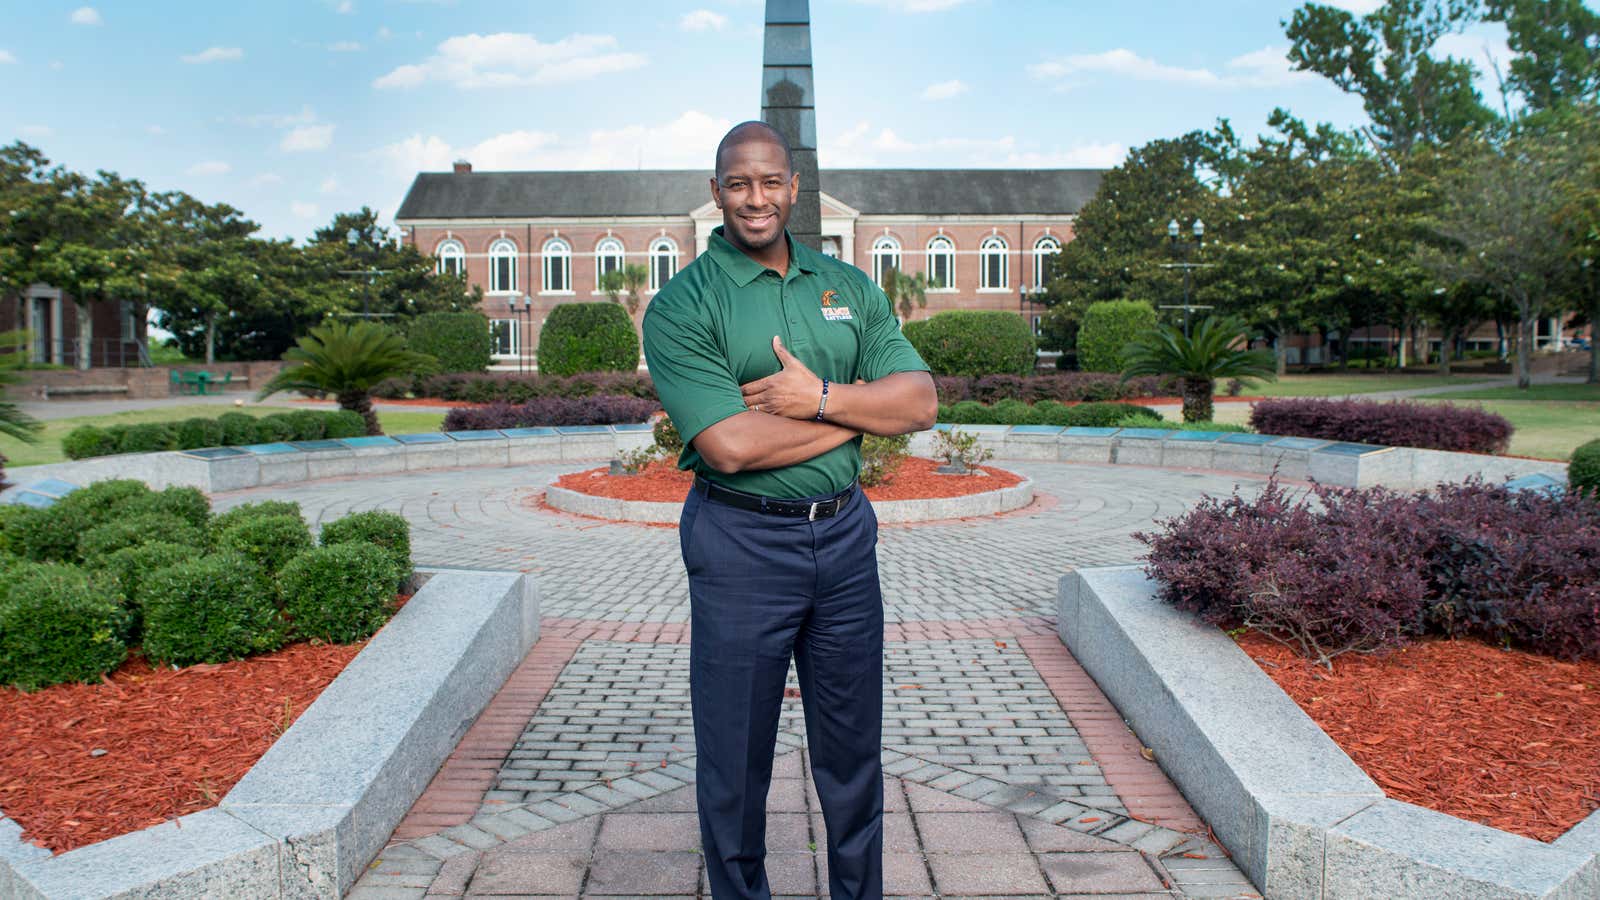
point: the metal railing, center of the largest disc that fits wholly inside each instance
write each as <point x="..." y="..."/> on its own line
<point x="113" y="353"/>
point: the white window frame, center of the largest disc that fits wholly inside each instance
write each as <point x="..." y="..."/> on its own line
<point x="993" y="246"/>
<point x="513" y="330"/>
<point x="1044" y="247"/>
<point x="556" y="257"/>
<point x="451" y="251"/>
<point x="885" y="254"/>
<point x="609" y="250"/>
<point x="941" y="246"/>
<point x="506" y="249"/>
<point x="662" y="248"/>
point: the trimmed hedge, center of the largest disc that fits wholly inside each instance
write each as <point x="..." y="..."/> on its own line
<point x="261" y="508"/>
<point x="57" y="624"/>
<point x="973" y="342"/>
<point x="1343" y="570"/>
<point x="510" y="387"/>
<point x="101" y="541"/>
<point x="460" y="341"/>
<point x="267" y="541"/>
<point x="1046" y="412"/>
<point x="597" y="410"/>
<point x="209" y="610"/>
<point x="588" y="337"/>
<point x="338" y="593"/>
<point x="227" y="430"/>
<point x="1398" y="424"/>
<point x="387" y="531"/>
<point x="130" y="566"/>
<point x="186" y="503"/>
<point x="1108" y="327"/>
<point x="1583" y="471"/>
<point x="1065" y="387"/>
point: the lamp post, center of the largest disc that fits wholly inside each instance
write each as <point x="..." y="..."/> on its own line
<point x="353" y="237"/>
<point x="1174" y="233"/>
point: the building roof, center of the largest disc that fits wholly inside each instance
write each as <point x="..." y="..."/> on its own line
<point x="981" y="192"/>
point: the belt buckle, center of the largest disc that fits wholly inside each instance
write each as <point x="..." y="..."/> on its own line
<point x="812" y="516"/>
<point x="823" y="509"/>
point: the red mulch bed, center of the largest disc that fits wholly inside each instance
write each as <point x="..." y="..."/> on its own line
<point x="175" y="740"/>
<point x="1500" y="737"/>
<point x="663" y="482"/>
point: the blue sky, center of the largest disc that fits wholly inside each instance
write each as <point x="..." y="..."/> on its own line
<point x="293" y="111"/>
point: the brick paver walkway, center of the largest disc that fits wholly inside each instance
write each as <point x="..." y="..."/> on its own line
<point x="1009" y="773"/>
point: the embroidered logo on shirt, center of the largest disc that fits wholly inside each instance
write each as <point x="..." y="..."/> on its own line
<point x="828" y="297"/>
<point x="836" y="313"/>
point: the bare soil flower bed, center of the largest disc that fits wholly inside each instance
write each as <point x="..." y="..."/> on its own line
<point x="1500" y="737"/>
<point x="663" y="482"/>
<point x="80" y="763"/>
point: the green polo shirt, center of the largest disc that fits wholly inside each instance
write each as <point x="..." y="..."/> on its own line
<point x="710" y="329"/>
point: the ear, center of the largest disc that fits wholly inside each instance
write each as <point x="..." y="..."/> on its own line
<point x="794" y="188"/>
<point x="716" y="192"/>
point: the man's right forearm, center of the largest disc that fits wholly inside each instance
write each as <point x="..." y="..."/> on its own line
<point x="752" y="441"/>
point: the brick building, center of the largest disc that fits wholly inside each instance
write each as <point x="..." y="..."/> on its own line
<point x="51" y="318"/>
<point x="532" y="240"/>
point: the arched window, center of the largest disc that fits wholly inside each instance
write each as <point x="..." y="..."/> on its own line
<point x="885" y="256"/>
<point x="992" y="263"/>
<point x="941" y="263"/>
<point x="607" y="258"/>
<point x="663" y="262"/>
<point x="557" y="266"/>
<point x="502" y="267"/>
<point x="1043" y="249"/>
<point x="452" y="258"/>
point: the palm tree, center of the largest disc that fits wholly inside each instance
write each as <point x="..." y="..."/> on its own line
<point x="908" y="293"/>
<point x="1198" y="361"/>
<point x="13" y="421"/>
<point x="630" y="280"/>
<point x="347" y="360"/>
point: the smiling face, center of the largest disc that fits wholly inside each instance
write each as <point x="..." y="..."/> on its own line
<point x="755" y="190"/>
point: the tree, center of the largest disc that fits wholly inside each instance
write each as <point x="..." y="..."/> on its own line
<point x="1197" y="362"/>
<point x="1557" y="51"/>
<point x="13" y="421"/>
<point x="1385" y="58"/>
<point x="628" y="280"/>
<point x="907" y="293"/>
<point x="347" y="359"/>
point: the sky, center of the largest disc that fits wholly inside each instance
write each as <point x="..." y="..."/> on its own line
<point x="293" y="111"/>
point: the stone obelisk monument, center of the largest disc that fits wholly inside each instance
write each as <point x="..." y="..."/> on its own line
<point x="788" y="103"/>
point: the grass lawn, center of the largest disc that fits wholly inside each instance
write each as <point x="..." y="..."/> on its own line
<point x="1567" y="393"/>
<point x="48" y="447"/>
<point x="1353" y="383"/>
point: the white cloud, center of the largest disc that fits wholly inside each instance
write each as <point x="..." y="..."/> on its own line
<point x="915" y="6"/>
<point x="703" y="20"/>
<point x="1267" y="67"/>
<point x="944" y="90"/>
<point x="307" y="137"/>
<point x="345" y="47"/>
<point x="860" y="146"/>
<point x="209" y="167"/>
<point x="329" y="185"/>
<point x="155" y="129"/>
<point x="384" y="33"/>
<point x="306" y="116"/>
<point x="37" y="131"/>
<point x="265" y="179"/>
<point x="56" y="66"/>
<point x="1123" y="63"/>
<point x="214" y="54"/>
<point x="688" y="141"/>
<point x="7" y="58"/>
<point x="345" y="8"/>
<point x="1478" y="47"/>
<point x="86" y="15"/>
<point x="303" y="210"/>
<point x="513" y="60"/>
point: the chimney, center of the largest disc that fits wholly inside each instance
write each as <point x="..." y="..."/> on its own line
<point x="462" y="167"/>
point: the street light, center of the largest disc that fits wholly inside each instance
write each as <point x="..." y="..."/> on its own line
<point x="354" y="237"/>
<point x="522" y="306"/>
<point x="1174" y="230"/>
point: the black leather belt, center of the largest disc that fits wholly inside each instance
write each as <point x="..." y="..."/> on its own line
<point x="805" y="509"/>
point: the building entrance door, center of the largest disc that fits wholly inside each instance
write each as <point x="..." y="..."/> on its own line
<point x="39" y="324"/>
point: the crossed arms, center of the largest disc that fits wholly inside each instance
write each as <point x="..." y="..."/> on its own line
<point x="779" y="428"/>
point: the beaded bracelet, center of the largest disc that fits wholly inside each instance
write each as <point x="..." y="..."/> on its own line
<point x="823" y="406"/>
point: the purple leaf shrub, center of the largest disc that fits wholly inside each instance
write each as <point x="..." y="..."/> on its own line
<point x="1398" y="424"/>
<point x="1063" y="387"/>
<point x="599" y="409"/>
<point x="510" y="387"/>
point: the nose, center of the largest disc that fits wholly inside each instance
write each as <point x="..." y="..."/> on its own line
<point x="758" y="195"/>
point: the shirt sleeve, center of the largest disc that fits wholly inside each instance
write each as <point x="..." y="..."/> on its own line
<point x="884" y="350"/>
<point x="691" y="373"/>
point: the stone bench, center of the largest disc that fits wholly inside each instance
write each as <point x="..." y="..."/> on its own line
<point x="64" y="390"/>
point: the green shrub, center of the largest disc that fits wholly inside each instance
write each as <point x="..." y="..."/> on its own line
<point x="1108" y="327"/>
<point x="668" y="440"/>
<point x="588" y="337"/>
<point x="56" y="625"/>
<point x="101" y="541"/>
<point x="960" y="448"/>
<point x="51" y="534"/>
<point x="274" y="428"/>
<point x="881" y="457"/>
<point x="386" y="530"/>
<point x="344" y="423"/>
<point x="267" y="541"/>
<point x="130" y="566"/>
<point x="237" y="428"/>
<point x="1111" y="415"/>
<point x="88" y="440"/>
<point x="150" y="437"/>
<point x="971" y="412"/>
<point x="11" y="513"/>
<point x="261" y="508"/>
<point x="338" y="593"/>
<point x="209" y="610"/>
<point x="460" y="341"/>
<point x="186" y="503"/>
<point x="309" y="424"/>
<point x="1015" y="412"/>
<point x="973" y="342"/>
<point x="1583" y="471"/>
<point x="198" y="432"/>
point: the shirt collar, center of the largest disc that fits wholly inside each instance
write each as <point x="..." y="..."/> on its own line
<point x="743" y="270"/>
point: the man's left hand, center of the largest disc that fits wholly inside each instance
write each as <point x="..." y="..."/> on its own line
<point x="794" y="391"/>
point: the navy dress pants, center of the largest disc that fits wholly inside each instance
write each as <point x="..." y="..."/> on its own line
<point x="763" y="587"/>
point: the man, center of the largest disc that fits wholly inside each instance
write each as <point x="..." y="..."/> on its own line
<point x="772" y="361"/>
